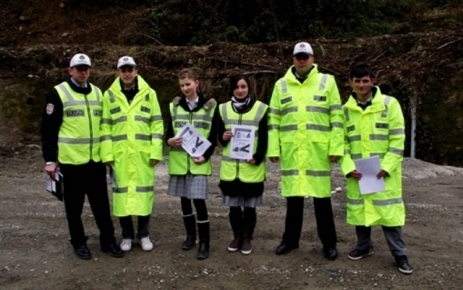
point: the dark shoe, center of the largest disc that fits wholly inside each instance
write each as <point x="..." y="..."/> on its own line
<point x="82" y="252"/>
<point x="284" y="248"/>
<point x="189" y="243"/>
<point x="113" y="250"/>
<point x="330" y="253"/>
<point x="235" y="245"/>
<point x="246" y="248"/>
<point x="203" y="250"/>
<point x="190" y="227"/>
<point x="204" y="237"/>
<point x="357" y="254"/>
<point x="403" y="265"/>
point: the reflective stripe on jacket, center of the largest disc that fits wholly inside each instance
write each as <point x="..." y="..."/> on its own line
<point x="79" y="133"/>
<point x="131" y="135"/>
<point x="231" y="169"/>
<point x="305" y="128"/>
<point x="377" y="130"/>
<point x="180" y="163"/>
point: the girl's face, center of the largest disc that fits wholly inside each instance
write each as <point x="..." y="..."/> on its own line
<point x="189" y="87"/>
<point x="241" y="90"/>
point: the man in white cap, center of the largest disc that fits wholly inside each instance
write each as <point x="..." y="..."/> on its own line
<point x="131" y="144"/>
<point x="71" y="141"/>
<point x="306" y="134"/>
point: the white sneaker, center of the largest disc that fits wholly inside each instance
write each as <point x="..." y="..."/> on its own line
<point x="146" y="244"/>
<point x="126" y="245"/>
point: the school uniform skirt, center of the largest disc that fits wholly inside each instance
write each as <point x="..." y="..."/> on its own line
<point x="189" y="186"/>
<point x="238" y="193"/>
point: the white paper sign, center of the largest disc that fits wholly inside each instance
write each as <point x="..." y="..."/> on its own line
<point x="242" y="142"/>
<point x="369" y="168"/>
<point x="192" y="142"/>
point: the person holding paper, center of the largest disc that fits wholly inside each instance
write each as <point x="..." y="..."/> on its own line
<point x="71" y="140"/>
<point x="306" y="134"/>
<point x="242" y="181"/>
<point x="131" y="143"/>
<point x="374" y="125"/>
<point x="188" y="175"/>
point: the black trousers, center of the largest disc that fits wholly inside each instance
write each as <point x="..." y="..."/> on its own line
<point x="142" y="227"/>
<point x="323" y="216"/>
<point x="90" y="179"/>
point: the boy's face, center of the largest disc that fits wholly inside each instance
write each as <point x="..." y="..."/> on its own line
<point x="362" y="86"/>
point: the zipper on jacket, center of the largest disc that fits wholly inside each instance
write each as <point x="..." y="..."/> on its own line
<point x="90" y="125"/>
<point x="237" y="160"/>
<point x="188" y="157"/>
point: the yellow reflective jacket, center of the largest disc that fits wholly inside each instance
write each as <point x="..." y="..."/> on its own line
<point x="231" y="169"/>
<point x="180" y="163"/>
<point x="131" y="135"/>
<point x="377" y="130"/>
<point x="79" y="133"/>
<point x="305" y="128"/>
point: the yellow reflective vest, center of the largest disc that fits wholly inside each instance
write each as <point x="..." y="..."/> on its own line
<point x="131" y="135"/>
<point x="231" y="169"/>
<point x="79" y="133"/>
<point x="180" y="163"/>
<point x="377" y="130"/>
<point x="305" y="128"/>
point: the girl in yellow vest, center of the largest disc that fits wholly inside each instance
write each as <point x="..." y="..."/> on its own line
<point x="189" y="174"/>
<point x="242" y="181"/>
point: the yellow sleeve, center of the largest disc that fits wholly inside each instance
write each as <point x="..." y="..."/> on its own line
<point x="394" y="156"/>
<point x="156" y="127"/>
<point x="274" y="120"/>
<point x="336" y="121"/>
<point x="106" y="144"/>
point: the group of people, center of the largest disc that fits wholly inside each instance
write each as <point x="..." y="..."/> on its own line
<point x="305" y="128"/>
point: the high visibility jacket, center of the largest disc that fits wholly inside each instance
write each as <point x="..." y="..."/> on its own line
<point x="79" y="133"/>
<point x="231" y="169"/>
<point x="377" y="130"/>
<point x="131" y="136"/>
<point x="305" y="128"/>
<point x="180" y="163"/>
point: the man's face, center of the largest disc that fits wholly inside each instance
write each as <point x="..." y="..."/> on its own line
<point x="127" y="74"/>
<point x="303" y="62"/>
<point x="79" y="73"/>
<point x="362" y="86"/>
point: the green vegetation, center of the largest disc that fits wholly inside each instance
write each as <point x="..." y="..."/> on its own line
<point x="194" y="22"/>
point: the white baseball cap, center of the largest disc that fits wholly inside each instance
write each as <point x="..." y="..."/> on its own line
<point x="126" y="60"/>
<point x="303" y="47"/>
<point x="80" y="59"/>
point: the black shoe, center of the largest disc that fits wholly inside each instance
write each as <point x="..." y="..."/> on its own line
<point x="82" y="252"/>
<point x="403" y="265"/>
<point x="284" y="248"/>
<point x="357" y="254"/>
<point x="330" y="253"/>
<point x="113" y="250"/>
<point x="203" y="250"/>
<point x="189" y="243"/>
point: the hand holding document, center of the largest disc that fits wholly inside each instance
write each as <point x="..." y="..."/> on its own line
<point x="55" y="186"/>
<point x="369" y="168"/>
<point x="242" y="142"/>
<point x="192" y="142"/>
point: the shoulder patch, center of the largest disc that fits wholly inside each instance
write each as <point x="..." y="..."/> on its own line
<point x="50" y="108"/>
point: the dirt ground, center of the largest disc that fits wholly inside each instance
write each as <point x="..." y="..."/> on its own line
<point x="35" y="252"/>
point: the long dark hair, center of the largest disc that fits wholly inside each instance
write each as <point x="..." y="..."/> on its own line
<point x="190" y="74"/>
<point x="234" y="82"/>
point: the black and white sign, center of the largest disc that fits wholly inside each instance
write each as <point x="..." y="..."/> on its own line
<point x="192" y="142"/>
<point x="242" y="142"/>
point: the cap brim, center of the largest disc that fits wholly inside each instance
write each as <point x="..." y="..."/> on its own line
<point x="302" y="52"/>
<point x="127" y="65"/>
<point x="77" y="65"/>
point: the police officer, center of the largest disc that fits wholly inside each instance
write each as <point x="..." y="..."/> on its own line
<point x="131" y="134"/>
<point x="306" y="134"/>
<point x="374" y="125"/>
<point x="71" y="141"/>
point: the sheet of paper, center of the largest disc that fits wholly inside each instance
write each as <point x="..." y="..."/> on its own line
<point x="55" y="186"/>
<point x="242" y="142"/>
<point x="369" y="168"/>
<point x="192" y="142"/>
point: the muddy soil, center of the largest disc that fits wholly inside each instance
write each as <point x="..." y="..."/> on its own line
<point x="35" y="252"/>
